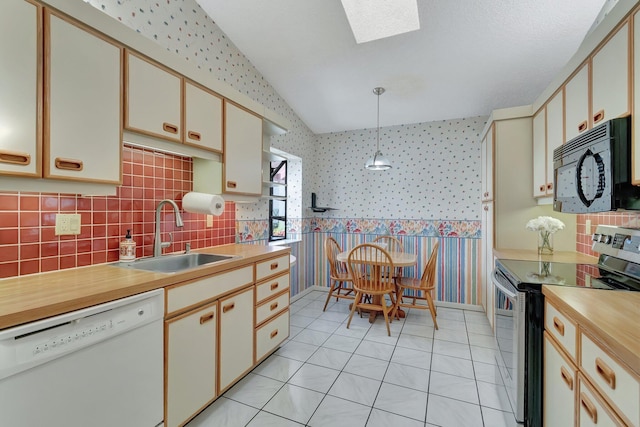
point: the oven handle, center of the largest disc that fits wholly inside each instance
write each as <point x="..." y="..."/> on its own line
<point x="509" y="293"/>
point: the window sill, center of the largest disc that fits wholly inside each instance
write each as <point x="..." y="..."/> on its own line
<point x="284" y="242"/>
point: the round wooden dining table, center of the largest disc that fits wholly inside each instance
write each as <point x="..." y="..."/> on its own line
<point x="399" y="259"/>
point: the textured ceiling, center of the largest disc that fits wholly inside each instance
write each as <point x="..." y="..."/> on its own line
<point x="468" y="58"/>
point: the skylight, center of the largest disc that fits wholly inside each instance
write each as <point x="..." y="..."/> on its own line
<point x="377" y="19"/>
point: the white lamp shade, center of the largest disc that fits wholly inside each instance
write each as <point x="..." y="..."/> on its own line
<point x="378" y="162"/>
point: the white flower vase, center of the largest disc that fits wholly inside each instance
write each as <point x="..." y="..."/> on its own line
<point x="545" y="243"/>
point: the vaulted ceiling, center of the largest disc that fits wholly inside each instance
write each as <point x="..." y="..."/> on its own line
<point x="468" y="58"/>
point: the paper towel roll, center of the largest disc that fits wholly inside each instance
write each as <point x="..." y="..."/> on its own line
<point x="209" y="204"/>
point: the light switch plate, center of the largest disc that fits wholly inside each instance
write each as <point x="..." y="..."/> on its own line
<point x="587" y="227"/>
<point x="67" y="224"/>
<point x="209" y="220"/>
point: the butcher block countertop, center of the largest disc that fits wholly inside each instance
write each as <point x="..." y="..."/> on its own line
<point x="611" y="316"/>
<point x="33" y="297"/>
<point x="532" y="255"/>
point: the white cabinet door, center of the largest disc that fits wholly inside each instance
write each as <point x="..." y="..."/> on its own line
<point x="487" y="259"/>
<point x="191" y="364"/>
<point x="555" y="134"/>
<point x="486" y="166"/>
<point x="236" y="337"/>
<point x="610" y="80"/>
<point x="83" y="111"/>
<point x="20" y="86"/>
<point x="577" y="103"/>
<point x="560" y="385"/>
<point x="153" y="99"/>
<point x="242" y="152"/>
<point x="635" y="150"/>
<point x="592" y="410"/>
<point x="203" y="118"/>
<point x="539" y="153"/>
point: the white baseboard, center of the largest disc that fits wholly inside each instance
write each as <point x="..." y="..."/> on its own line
<point x="470" y="307"/>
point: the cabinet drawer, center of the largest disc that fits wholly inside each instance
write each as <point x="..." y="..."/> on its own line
<point x="271" y="334"/>
<point x="272" y="267"/>
<point x="592" y="411"/>
<point x="271" y="287"/>
<point x="271" y="307"/>
<point x="561" y="328"/>
<point x="616" y="384"/>
<point x="193" y="293"/>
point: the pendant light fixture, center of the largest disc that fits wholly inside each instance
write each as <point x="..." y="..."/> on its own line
<point x="378" y="162"/>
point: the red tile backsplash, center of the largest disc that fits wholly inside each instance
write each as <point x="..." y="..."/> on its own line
<point x="28" y="243"/>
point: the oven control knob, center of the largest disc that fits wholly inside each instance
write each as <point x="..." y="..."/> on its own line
<point x="596" y="237"/>
<point x="603" y="238"/>
<point x="607" y="239"/>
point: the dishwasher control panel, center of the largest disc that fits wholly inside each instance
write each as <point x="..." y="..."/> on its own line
<point x="25" y="346"/>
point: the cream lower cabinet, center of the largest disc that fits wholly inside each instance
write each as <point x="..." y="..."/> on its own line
<point x="560" y="384"/>
<point x="191" y="351"/>
<point x="20" y="86"/>
<point x="593" y="411"/>
<point x="236" y="337"/>
<point x="272" y="314"/>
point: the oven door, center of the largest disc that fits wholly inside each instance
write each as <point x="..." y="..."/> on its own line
<point x="509" y="309"/>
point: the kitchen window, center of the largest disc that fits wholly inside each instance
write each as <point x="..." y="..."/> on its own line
<point x="278" y="200"/>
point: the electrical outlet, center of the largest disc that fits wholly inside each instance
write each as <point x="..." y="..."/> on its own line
<point x="209" y="220"/>
<point x="67" y="224"/>
<point x="587" y="227"/>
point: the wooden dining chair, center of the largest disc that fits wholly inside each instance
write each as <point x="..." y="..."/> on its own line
<point x="371" y="269"/>
<point x="422" y="288"/>
<point x="339" y="277"/>
<point x="393" y="244"/>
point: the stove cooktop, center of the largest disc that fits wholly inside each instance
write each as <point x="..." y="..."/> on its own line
<point x="534" y="274"/>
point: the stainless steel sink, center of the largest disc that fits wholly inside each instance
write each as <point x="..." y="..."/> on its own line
<point x="174" y="263"/>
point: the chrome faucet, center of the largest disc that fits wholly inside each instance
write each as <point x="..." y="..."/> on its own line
<point x="158" y="244"/>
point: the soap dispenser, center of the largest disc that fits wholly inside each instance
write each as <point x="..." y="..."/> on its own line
<point x="127" y="248"/>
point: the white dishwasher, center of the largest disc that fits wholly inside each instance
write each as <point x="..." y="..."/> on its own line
<point x="101" y="367"/>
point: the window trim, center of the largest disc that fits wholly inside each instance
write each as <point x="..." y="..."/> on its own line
<point x="272" y="173"/>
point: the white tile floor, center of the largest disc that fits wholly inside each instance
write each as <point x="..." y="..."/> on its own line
<point x="328" y="375"/>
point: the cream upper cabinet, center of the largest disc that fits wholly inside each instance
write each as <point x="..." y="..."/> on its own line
<point x="203" y="118"/>
<point x="82" y="120"/>
<point x="577" y="103"/>
<point x="610" y="78"/>
<point x="486" y="166"/>
<point x="242" y="152"/>
<point x="153" y="99"/>
<point x="191" y="349"/>
<point x="236" y="337"/>
<point x="20" y="86"/>
<point x="555" y="134"/>
<point x="635" y="150"/>
<point x="539" y="153"/>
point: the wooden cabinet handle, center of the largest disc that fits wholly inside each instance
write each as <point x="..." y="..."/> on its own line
<point x="274" y="286"/>
<point x="486" y="194"/>
<point x="566" y="376"/>
<point x="486" y="208"/>
<point x="274" y="333"/>
<point x="193" y="135"/>
<point x="542" y="188"/>
<point x="232" y="184"/>
<point x="228" y="307"/>
<point x="582" y="126"/>
<point x="274" y="265"/>
<point x="598" y="116"/>
<point x="206" y="317"/>
<point x="15" y="157"/>
<point x="606" y="373"/>
<point x="68" y="164"/>
<point x="550" y="186"/>
<point x="273" y="306"/>
<point x="589" y="407"/>
<point x="168" y="127"/>
<point x="557" y="323"/>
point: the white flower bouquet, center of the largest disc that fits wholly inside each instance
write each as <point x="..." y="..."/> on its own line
<point x="545" y="226"/>
<point x="545" y="223"/>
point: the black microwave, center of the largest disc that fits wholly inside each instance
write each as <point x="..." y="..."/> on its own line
<point x="592" y="172"/>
